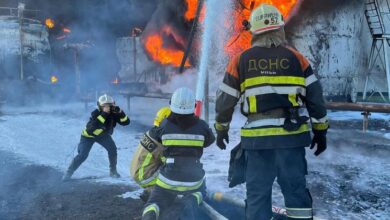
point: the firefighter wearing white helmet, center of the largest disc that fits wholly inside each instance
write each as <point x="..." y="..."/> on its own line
<point x="274" y="81"/>
<point x="99" y="129"/>
<point x="183" y="137"/>
<point x="265" y="18"/>
<point x="183" y="101"/>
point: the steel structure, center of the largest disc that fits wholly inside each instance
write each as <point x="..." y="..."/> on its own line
<point x="377" y="13"/>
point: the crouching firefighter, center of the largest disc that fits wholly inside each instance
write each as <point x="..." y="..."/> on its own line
<point x="274" y="81"/>
<point x="148" y="157"/>
<point x="183" y="137"/>
<point x="99" y="129"/>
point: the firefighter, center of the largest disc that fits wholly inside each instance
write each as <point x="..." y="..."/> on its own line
<point x="183" y="136"/>
<point x="99" y="129"/>
<point x="148" y="157"/>
<point x="274" y="81"/>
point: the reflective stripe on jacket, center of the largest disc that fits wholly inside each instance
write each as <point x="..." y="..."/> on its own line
<point x="103" y="123"/>
<point x="266" y="79"/>
<point x="183" y="148"/>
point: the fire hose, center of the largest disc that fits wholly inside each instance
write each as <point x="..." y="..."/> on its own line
<point x="221" y="197"/>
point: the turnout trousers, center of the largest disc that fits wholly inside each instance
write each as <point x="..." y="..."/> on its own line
<point x="85" y="146"/>
<point x="289" y="167"/>
<point x="161" y="199"/>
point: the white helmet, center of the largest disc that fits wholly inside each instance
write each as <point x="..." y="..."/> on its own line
<point x="105" y="99"/>
<point x="265" y="18"/>
<point x="183" y="101"/>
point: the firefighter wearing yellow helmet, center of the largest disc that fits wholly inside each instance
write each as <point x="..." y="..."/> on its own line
<point x="99" y="129"/>
<point x="274" y="81"/>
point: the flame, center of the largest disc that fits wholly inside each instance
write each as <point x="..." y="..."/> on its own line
<point x="49" y="23"/>
<point x="192" y="6"/>
<point x="242" y="40"/>
<point x="66" y="30"/>
<point x="116" y="81"/>
<point x="53" y="79"/>
<point x="154" y="45"/>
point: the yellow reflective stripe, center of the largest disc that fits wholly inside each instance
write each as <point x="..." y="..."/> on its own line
<point x="320" y="126"/>
<point x="97" y="131"/>
<point x="198" y="196"/>
<point x="299" y="213"/>
<point x="185" y="143"/>
<point x="85" y="134"/>
<point x="252" y="104"/>
<point x="274" y="80"/>
<point x="152" y="208"/>
<point x="164" y="185"/>
<point x="124" y="119"/>
<point x="101" y="119"/>
<point x="272" y="131"/>
<point x="293" y="99"/>
<point x="152" y="182"/>
<point x="221" y="126"/>
<point x="145" y="163"/>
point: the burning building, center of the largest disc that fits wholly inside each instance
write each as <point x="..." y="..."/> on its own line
<point x="319" y="29"/>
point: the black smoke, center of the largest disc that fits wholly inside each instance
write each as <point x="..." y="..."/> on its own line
<point x="97" y="23"/>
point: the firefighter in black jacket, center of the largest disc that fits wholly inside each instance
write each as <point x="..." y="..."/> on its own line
<point x="99" y="129"/>
<point x="183" y="136"/>
<point x="274" y="82"/>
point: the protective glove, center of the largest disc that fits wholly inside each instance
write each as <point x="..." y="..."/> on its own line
<point x="222" y="134"/>
<point x="319" y="139"/>
<point x="115" y="109"/>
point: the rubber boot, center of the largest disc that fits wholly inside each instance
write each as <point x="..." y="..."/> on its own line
<point x="67" y="176"/>
<point x="113" y="172"/>
<point x="145" y="194"/>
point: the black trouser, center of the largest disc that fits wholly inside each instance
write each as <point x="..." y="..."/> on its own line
<point x="85" y="146"/>
<point x="163" y="199"/>
<point x="290" y="168"/>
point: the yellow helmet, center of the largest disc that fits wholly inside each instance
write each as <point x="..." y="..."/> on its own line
<point x="162" y="114"/>
<point x="265" y="18"/>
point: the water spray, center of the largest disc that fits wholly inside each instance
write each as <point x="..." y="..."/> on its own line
<point x="212" y="13"/>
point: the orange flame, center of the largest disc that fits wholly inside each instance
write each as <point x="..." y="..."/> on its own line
<point x="192" y="6"/>
<point x="66" y="30"/>
<point x="239" y="43"/>
<point x="49" y="23"/>
<point x="53" y="79"/>
<point x="116" y="81"/>
<point x="154" y="45"/>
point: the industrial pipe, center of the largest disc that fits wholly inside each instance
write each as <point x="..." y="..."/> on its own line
<point x="363" y="107"/>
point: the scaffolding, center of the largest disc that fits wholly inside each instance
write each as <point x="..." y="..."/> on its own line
<point x="377" y="13"/>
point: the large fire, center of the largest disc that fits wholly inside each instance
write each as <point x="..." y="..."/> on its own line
<point x="156" y="44"/>
<point x="242" y="39"/>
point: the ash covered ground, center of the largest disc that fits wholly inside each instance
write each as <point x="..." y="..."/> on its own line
<point x="351" y="180"/>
